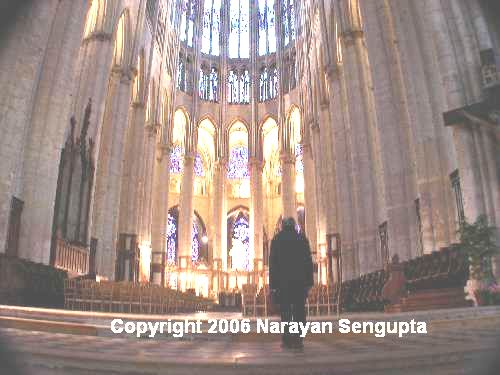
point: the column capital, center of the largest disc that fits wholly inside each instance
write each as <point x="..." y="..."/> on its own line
<point x="151" y="129"/>
<point x="287" y="157"/>
<point x="255" y="161"/>
<point x="162" y="150"/>
<point x="350" y="37"/>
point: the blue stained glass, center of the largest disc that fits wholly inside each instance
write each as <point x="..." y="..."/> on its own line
<point x="171" y="239"/>
<point x="198" y="166"/>
<point x="195" y="244"/>
<point x="211" y="27"/>
<point x="267" y="31"/>
<point x="299" y="159"/>
<point x="239" y="30"/>
<point x="241" y="233"/>
<point x="176" y="160"/>
<point x="238" y="163"/>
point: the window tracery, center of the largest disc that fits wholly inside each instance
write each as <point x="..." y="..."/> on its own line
<point x="267" y="27"/>
<point x="211" y="27"/>
<point x="239" y="29"/>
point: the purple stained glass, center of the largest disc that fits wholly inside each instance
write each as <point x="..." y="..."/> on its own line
<point x="299" y="159"/>
<point x="198" y="166"/>
<point x="195" y="244"/>
<point x="241" y="236"/>
<point x="176" y="160"/>
<point x="238" y="163"/>
<point x="171" y="239"/>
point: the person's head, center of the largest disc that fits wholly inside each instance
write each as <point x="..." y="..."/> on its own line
<point x="288" y="224"/>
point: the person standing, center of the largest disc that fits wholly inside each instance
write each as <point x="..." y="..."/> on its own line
<point x="290" y="277"/>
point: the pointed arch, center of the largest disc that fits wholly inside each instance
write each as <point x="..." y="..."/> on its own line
<point x="294" y="127"/>
<point x="138" y="85"/>
<point x="179" y="128"/>
<point x="92" y="17"/>
<point x="121" y="49"/>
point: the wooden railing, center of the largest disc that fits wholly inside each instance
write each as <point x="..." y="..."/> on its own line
<point x="71" y="257"/>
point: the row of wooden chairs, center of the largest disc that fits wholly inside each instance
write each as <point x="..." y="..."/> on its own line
<point x="447" y="268"/>
<point x="364" y="293"/>
<point x="109" y="296"/>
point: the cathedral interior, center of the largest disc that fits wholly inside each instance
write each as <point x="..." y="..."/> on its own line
<point x="162" y="142"/>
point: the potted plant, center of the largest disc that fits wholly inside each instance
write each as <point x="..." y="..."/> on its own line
<point x="477" y="241"/>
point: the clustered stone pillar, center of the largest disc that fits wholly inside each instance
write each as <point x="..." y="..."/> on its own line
<point x="160" y="214"/>
<point x="368" y="189"/>
<point x="186" y="220"/>
<point x="131" y="181"/>
<point x="219" y="217"/>
<point x="109" y="169"/>
<point x="146" y="201"/>
<point x="309" y="195"/>
<point x="256" y="215"/>
<point x="288" y="185"/>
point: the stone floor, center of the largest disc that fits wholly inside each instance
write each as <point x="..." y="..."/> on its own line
<point x="458" y="342"/>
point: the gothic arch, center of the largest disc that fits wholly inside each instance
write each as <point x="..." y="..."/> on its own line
<point x="122" y="41"/>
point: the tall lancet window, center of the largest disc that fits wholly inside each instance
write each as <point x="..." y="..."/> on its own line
<point x="232" y="87"/>
<point x="188" y="16"/>
<point x="263" y="85"/>
<point x="288" y="20"/>
<point x="239" y="29"/>
<point x="214" y="85"/>
<point x="211" y="28"/>
<point x="245" y="87"/>
<point x="203" y="83"/>
<point x="267" y="27"/>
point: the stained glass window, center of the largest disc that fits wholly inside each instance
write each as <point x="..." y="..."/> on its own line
<point x="267" y="27"/>
<point x="195" y="243"/>
<point x="240" y="249"/>
<point x="299" y="159"/>
<point x="232" y="87"/>
<point x="214" y="85"/>
<point x="203" y="84"/>
<point x="263" y="85"/>
<point x="211" y="27"/>
<point x="198" y="166"/>
<point x="238" y="163"/>
<point x="244" y="87"/>
<point x="239" y="29"/>
<point x="171" y="238"/>
<point x="288" y="20"/>
<point x="176" y="160"/>
<point x="188" y="11"/>
<point x="268" y="83"/>
<point x="273" y="89"/>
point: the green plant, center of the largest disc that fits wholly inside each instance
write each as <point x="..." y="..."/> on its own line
<point x="477" y="241"/>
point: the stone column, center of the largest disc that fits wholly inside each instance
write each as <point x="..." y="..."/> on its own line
<point x="256" y="215"/>
<point x="368" y="185"/>
<point x="35" y="104"/>
<point x="145" y="207"/>
<point x="310" y="196"/>
<point x="160" y="213"/>
<point x="131" y="176"/>
<point x="288" y="185"/>
<point x="219" y="219"/>
<point x="186" y="216"/>
<point x="108" y="172"/>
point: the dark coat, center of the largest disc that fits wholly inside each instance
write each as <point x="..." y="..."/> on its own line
<point x="290" y="263"/>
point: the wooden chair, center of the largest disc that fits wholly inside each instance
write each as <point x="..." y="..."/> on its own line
<point x="70" y="288"/>
<point x="103" y="295"/>
<point x="249" y="299"/>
